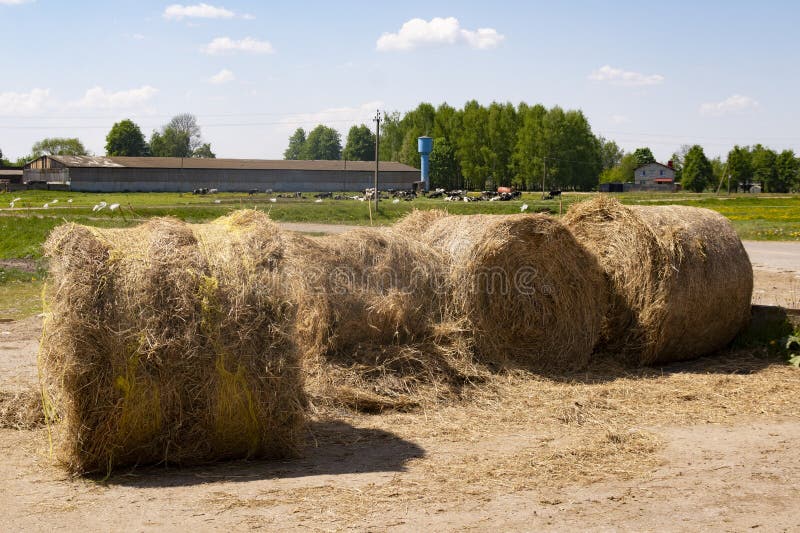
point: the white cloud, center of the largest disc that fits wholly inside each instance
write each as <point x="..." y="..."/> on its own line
<point x="340" y="118"/>
<point x="417" y="33"/>
<point x="99" y="98"/>
<point x="617" y="76"/>
<point x="12" y="103"/>
<point x="221" y="45"/>
<point x="733" y="104"/>
<point x="223" y="76"/>
<point x="201" y="11"/>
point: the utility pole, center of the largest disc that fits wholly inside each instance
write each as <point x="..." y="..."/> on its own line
<point x="544" y="176"/>
<point x="377" y="148"/>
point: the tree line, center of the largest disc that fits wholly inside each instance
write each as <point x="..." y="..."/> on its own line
<point x="478" y="146"/>
<point x="180" y="137"/>
<point x="528" y="146"/>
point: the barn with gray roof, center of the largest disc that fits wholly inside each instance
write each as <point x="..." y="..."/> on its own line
<point x="176" y="174"/>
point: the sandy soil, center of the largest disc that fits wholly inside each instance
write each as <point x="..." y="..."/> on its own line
<point x="704" y="445"/>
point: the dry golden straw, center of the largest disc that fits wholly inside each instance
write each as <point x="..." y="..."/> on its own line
<point x="680" y="279"/>
<point x="369" y="321"/>
<point x="522" y="286"/>
<point x="169" y="343"/>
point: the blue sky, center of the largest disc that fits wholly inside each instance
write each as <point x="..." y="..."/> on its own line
<point x="656" y="74"/>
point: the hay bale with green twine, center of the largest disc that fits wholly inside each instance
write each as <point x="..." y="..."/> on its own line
<point x="168" y="343"/>
<point x="680" y="279"/>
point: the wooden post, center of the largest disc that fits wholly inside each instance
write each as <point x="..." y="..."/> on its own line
<point x="377" y="152"/>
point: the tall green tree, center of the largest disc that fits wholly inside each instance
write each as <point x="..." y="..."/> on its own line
<point x="473" y="145"/>
<point x="360" y="144"/>
<point x="186" y="123"/>
<point x="762" y="161"/>
<point x="204" y="152"/>
<point x="501" y="132"/>
<point x="392" y="135"/>
<point x="444" y="171"/>
<point x="622" y="172"/>
<point x="297" y="145"/>
<point x="644" y="156"/>
<point x="697" y="170"/>
<point x="787" y="169"/>
<point x="677" y="160"/>
<point x="739" y="168"/>
<point x="170" y="143"/>
<point x="58" y="146"/>
<point x="415" y="123"/>
<point x="531" y="147"/>
<point x="126" y="139"/>
<point x="323" y="143"/>
<point x="610" y="153"/>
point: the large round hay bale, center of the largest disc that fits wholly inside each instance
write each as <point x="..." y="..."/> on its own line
<point x="169" y="342"/>
<point x="528" y="293"/>
<point x="369" y="320"/>
<point x="679" y="277"/>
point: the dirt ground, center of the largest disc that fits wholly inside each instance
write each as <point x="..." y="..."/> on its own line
<point x="708" y="444"/>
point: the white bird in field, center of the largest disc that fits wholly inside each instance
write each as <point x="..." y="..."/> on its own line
<point x="396" y="201"/>
<point x="69" y="201"/>
<point x="524" y="208"/>
<point x="113" y="207"/>
<point x="273" y="200"/>
<point x="318" y="201"/>
<point x="100" y="206"/>
<point x="46" y="206"/>
<point x="217" y="201"/>
<point x="54" y="201"/>
<point x="15" y="200"/>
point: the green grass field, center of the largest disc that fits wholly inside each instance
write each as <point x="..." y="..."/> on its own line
<point x="24" y="228"/>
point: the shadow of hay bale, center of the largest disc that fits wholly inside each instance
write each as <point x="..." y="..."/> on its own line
<point x="332" y="448"/>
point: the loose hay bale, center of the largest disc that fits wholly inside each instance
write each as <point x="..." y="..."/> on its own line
<point x="530" y="295"/>
<point x="21" y="409"/>
<point x="679" y="277"/>
<point x="369" y="321"/>
<point x="168" y="343"/>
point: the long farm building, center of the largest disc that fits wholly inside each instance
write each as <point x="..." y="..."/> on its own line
<point x="176" y="174"/>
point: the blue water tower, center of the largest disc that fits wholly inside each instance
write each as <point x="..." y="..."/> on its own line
<point x="425" y="147"/>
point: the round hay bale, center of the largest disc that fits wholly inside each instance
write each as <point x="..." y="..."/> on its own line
<point x="417" y="221"/>
<point x="369" y="320"/>
<point x="169" y="342"/>
<point x="679" y="277"/>
<point x="528" y="293"/>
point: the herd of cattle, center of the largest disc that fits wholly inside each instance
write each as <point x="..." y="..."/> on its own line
<point x="501" y="195"/>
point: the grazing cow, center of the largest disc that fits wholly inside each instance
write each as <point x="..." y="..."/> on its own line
<point x="252" y="192"/>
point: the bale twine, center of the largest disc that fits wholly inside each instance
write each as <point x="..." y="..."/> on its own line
<point x="169" y="342"/>
<point x="679" y="277"/>
<point x="369" y="321"/>
<point x="526" y="291"/>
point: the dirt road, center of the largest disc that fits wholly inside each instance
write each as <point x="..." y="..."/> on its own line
<point x="774" y="255"/>
<point x="705" y="445"/>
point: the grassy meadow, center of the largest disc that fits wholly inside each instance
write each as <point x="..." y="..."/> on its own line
<point x="25" y="227"/>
